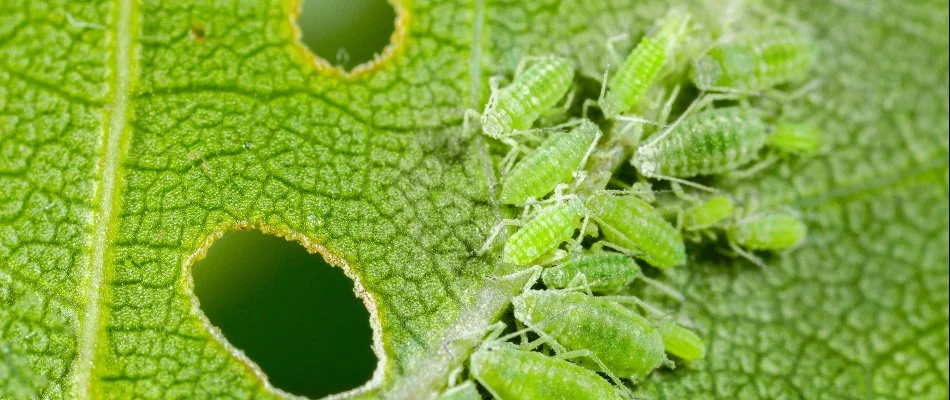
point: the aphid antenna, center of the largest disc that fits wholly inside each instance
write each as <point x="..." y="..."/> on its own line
<point x="685" y="182"/>
<point x="701" y="102"/>
<point x="653" y="310"/>
<point x="748" y="256"/>
<point x="495" y="231"/>
<point x="612" y="52"/>
<point x="579" y="174"/>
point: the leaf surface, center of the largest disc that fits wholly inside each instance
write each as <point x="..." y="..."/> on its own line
<point x="132" y="133"/>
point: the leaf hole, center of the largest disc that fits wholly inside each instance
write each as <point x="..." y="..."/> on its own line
<point x="347" y="33"/>
<point x="289" y="311"/>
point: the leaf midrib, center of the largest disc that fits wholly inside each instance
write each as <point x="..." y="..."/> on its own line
<point x="115" y="140"/>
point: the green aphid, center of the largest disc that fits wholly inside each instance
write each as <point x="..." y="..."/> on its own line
<point x="464" y="391"/>
<point x="553" y="162"/>
<point x="709" y="213"/>
<point x="770" y="230"/>
<point x="604" y="272"/>
<point x="681" y="342"/>
<point x="642" y="67"/>
<point x="631" y="224"/>
<point x="709" y="142"/>
<point x="509" y="373"/>
<point x="755" y="60"/>
<point x="618" y="340"/>
<point x="543" y="233"/>
<point x="533" y="91"/>
<point x="794" y="138"/>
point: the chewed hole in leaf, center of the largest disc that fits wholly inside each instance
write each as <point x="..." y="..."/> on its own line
<point x="291" y="312"/>
<point x="346" y="33"/>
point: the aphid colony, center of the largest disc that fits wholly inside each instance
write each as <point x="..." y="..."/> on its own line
<point x="584" y="223"/>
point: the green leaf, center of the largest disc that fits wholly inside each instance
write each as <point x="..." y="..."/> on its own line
<point x="132" y="133"/>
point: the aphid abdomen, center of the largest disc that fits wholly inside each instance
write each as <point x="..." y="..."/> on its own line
<point x="516" y="374"/>
<point x="536" y="90"/>
<point x="707" y="143"/>
<point x="681" y="342"/>
<point x="627" y="343"/>
<point x="545" y="232"/>
<point x="605" y="272"/>
<point x="552" y="163"/>
<point x="708" y="213"/>
<point x="632" y="223"/>
<point x="636" y="74"/>
<point x="771" y="230"/>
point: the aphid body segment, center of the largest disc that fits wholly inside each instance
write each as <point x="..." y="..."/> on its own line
<point x="643" y="66"/>
<point x="706" y="143"/>
<point x="543" y="233"/>
<point x="708" y="213"/>
<point x="626" y="343"/>
<point x="769" y="230"/>
<point x="755" y="60"/>
<point x="681" y="342"/>
<point x="795" y="138"/>
<point x="551" y="163"/>
<point x="535" y="90"/>
<point x="464" y="391"/>
<point x="509" y="373"/>
<point x="604" y="272"/>
<point x="633" y="224"/>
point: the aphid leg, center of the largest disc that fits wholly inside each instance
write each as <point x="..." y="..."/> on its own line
<point x="600" y="99"/>
<point x="668" y="105"/>
<point x="638" y="120"/>
<point x="467" y="123"/>
<point x="754" y="168"/>
<point x="454" y="376"/>
<point x="584" y="353"/>
<point x="579" y="281"/>
<point x="509" y="161"/>
<point x="665" y="289"/>
<point x="680" y="193"/>
<point x="747" y="255"/>
<point x="796" y="94"/>
<point x="495" y="231"/>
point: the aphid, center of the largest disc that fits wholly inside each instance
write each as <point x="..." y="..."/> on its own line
<point x="794" y="138"/>
<point x="756" y="60"/>
<point x="543" y="233"/>
<point x="681" y="342"/>
<point x="604" y="272"/>
<point x="706" y="143"/>
<point x="632" y="224"/>
<point x="769" y="230"/>
<point x="553" y="162"/>
<point x="626" y="343"/>
<point x="600" y="272"/>
<point x="464" y="391"/>
<point x="509" y="373"/>
<point x="709" y="213"/>
<point x="642" y="66"/>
